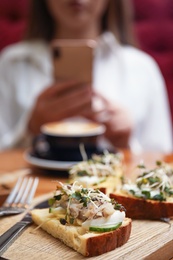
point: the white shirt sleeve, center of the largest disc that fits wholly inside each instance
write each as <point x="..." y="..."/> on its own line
<point x="155" y="132"/>
<point x="12" y="117"/>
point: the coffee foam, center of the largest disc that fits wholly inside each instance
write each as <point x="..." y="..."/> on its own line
<point x="73" y="128"/>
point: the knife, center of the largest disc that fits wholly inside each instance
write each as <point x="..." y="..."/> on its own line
<point x="16" y="230"/>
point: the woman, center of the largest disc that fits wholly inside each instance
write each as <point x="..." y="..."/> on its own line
<point x="126" y="81"/>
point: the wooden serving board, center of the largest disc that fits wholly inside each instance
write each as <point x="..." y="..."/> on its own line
<point x="149" y="240"/>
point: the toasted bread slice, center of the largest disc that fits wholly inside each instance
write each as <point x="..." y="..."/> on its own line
<point x="138" y="208"/>
<point x="85" y="242"/>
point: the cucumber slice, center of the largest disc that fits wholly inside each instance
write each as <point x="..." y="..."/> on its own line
<point x="105" y="228"/>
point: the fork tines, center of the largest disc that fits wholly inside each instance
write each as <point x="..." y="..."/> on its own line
<point x="22" y="193"/>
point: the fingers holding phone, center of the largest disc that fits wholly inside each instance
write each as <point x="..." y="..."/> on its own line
<point x="71" y="101"/>
<point x="59" y="101"/>
<point x="117" y="119"/>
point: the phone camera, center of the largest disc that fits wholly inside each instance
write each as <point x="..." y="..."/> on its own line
<point x="56" y="53"/>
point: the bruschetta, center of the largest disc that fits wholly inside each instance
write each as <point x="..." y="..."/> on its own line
<point x="84" y="219"/>
<point x="150" y="196"/>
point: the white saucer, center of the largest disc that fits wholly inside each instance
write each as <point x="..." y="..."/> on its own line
<point x="47" y="164"/>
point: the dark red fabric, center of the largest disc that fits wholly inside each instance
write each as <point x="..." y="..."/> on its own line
<point x="13" y="15"/>
<point x="153" y="25"/>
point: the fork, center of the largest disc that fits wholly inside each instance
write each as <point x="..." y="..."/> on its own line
<point x="20" y="197"/>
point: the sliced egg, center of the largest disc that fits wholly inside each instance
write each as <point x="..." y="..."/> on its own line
<point x="116" y="217"/>
<point x="90" y="180"/>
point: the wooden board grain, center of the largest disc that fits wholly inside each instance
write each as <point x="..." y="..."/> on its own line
<point x="149" y="240"/>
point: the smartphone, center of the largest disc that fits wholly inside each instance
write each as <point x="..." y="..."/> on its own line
<point x="73" y="60"/>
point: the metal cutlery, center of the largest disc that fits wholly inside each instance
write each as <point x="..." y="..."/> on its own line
<point x="13" y="233"/>
<point x="20" y="197"/>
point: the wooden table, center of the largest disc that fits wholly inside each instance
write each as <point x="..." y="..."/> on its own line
<point x="149" y="240"/>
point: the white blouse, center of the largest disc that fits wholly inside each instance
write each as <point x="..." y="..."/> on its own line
<point x="122" y="74"/>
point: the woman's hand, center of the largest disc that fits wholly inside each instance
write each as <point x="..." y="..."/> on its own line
<point x="62" y="100"/>
<point x="118" y="121"/>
